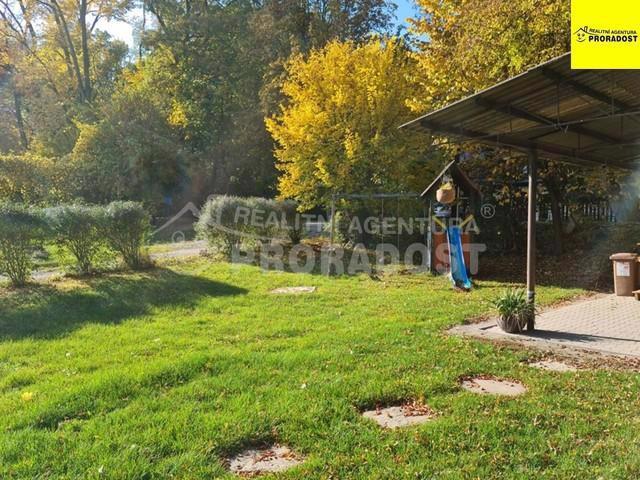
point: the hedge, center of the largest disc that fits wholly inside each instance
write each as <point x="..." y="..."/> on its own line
<point x="226" y="222"/>
<point x="126" y="226"/>
<point x="78" y="229"/>
<point x="22" y="230"/>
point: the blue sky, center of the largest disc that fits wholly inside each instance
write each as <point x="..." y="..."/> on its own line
<point x="123" y="31"/>
<point x="406" y="8"/>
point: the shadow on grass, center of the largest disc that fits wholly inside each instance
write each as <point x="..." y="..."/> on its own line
<point x="46" y="311"/>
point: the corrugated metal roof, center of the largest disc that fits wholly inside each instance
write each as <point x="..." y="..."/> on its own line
<point x="585" y="117"/>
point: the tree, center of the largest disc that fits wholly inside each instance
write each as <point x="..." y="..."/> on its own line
<point x="285" y="27"/>
<point x="55" y="57"/>
<point x="65" y="25"/>
<point x="208" y="68"/>
<point x="133" y="152"/>
<point x="313" y="23"/>
<point x="338" y="130"/>
<point x="32" y="179"/>
<point x="468" y="45"/>
<point x="226" y="63"/>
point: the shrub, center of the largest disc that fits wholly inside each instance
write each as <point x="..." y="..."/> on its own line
<point x="77" y="229"/>
<point x="221" y="225"/>
<point x="514" y="311"/>
<point x="33" y="179"/>
<point x="125" y="227"/>
<point x="268" y="218"/>
<point x="21" y="231"/>
<point x="341" y="233"/>
<point x="293" y="222"/>
<point x="226" y="222"/>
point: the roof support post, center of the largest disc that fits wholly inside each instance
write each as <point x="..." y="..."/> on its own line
<point x="531" y="232"/>
<point x="333" y="219"/>
<point x="333" y="231"/>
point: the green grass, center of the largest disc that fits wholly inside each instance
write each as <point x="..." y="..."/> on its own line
<point x="163" y="374"/>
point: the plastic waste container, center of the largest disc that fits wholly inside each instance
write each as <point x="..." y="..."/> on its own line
<point x="625" y="272"/>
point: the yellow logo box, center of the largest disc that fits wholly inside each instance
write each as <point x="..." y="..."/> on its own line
<point x="605" y="34"/>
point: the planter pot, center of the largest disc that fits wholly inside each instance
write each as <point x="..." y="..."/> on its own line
<point x="512" y="323"/>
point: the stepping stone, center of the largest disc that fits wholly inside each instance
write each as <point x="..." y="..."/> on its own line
<point x="293" y="290"/>
<point x="493" y="386"/>
<point x="403" y="416"/>
<point x="276" y="458"/>
<point x="553" y="365"/>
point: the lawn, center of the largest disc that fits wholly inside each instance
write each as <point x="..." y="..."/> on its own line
<point x="164" y="374"/>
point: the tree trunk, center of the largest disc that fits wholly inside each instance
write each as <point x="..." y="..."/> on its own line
<point x="86" y="60"/>
<point x="144" y="30"/>
<point x="64" y="30"/>
<point x="17" y="101"/>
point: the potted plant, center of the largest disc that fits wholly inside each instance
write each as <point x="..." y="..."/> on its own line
<point x="514" y="311"/>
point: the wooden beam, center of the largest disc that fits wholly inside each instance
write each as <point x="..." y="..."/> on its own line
<point x="543" y="120"/>
<point x="531" y="233"/>
<point x="586" y="89"/>
<point x="505" y="140"/>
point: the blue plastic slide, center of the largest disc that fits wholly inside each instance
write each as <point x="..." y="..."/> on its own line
<point x="456" y="259"/>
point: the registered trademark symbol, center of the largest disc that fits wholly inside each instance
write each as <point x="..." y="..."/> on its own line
<point x="488" y="211"/>
<point x="178" y="236"/>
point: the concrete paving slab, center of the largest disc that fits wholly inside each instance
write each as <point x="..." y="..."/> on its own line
<point x="400" y="416"/>
<point x="276" y="458"/>
<point x="293" y="290"/>
<point x="607" y="324"/>
<point x="493" y="386"/>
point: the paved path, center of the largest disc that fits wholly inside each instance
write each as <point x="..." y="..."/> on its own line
<point x="607" y="324"/>
<point x="186" y="249"/>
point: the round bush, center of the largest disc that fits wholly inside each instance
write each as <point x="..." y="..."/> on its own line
<point x="21" y="231"/>
<point x="77" y="228"/>
<point x="126" y="226"/>
<point x="266" y="219"/>
<point x="223" y="221"/>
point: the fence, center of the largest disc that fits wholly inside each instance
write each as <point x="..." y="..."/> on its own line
<point x="598" y="211"/>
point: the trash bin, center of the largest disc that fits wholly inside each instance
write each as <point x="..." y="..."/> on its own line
<point x="625" y="273"/>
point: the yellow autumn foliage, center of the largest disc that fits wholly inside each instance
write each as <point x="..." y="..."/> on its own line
<point x="33" y="179"/>
<point x="468" y="45"/>
<point x="337" y="130"/>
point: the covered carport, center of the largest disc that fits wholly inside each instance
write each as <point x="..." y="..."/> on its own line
<point x="589" y="118"/>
